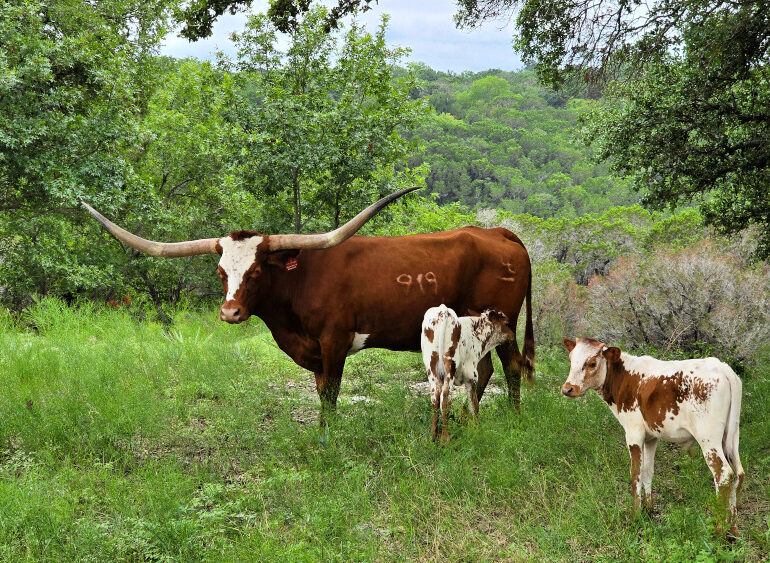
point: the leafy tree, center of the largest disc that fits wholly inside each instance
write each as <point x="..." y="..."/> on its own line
<point x="72" y="79"/>
<point x="287" y="15"/>
<point x="505" y="142"/>
<point x="689" y="117"/>
<point x="321" y="120"/>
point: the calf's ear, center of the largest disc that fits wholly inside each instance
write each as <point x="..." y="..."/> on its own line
<point x="612" y="354"/>
<point x="570" y="344"/>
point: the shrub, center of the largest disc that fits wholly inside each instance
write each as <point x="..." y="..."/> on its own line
<point x="557" y="302"/>
<point x="697" y="299"/>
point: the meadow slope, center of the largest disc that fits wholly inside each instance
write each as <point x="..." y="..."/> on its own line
<point x="123" y="440"/>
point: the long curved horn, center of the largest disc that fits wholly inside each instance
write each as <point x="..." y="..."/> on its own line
<point x="165" y="249"/>
<point x="335" y="237"/>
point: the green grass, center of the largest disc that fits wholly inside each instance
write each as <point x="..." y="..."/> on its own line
<point x="121" y="440"/>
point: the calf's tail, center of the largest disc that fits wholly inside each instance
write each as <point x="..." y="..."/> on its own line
<point x="730" y="440"/>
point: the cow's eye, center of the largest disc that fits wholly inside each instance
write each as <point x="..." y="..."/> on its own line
<point x="591" y="364"/>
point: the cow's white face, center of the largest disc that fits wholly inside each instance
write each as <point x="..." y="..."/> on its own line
<point x="235" y="266"/>
<point x="587" y="366"/>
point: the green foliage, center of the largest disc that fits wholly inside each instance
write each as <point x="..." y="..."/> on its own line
<point x="71" y="81"/>
<point x="176" y="150"/>
<point x="688" y="117"/>
<point x="498" y="139"/>
<point x="322" y="122"/>
<point x="122" y="441"/>
<point x="681" y="135"/>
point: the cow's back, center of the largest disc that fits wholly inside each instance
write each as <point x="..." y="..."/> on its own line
<point x="382" y="286"/>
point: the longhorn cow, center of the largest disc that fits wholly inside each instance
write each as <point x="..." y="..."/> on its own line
<point x="326" y="296"/>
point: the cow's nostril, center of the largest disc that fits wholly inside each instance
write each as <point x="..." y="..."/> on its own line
<point x="567" y="390"/>
<point x="237" y="313"/>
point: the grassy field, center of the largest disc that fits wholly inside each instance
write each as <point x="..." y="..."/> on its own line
<point x="123" y="440"/>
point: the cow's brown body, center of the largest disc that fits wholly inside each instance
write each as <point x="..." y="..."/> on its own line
<point x="381" y="287"/>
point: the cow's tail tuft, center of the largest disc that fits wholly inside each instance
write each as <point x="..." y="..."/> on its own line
<point x="529" y="336"/>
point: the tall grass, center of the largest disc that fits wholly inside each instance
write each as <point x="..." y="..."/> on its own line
<point x="123" y="440"/>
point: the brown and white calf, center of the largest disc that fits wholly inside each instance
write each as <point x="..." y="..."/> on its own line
<point x="676" y="401"/>
<point x="452" y="348"/>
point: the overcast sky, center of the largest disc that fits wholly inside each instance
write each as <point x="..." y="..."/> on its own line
<point x="426" y="26"/>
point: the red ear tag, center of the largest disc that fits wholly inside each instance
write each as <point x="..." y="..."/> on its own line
<point x="291" y="264"/>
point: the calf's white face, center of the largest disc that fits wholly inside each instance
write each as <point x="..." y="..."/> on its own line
<point x="237" y="261"/>
<point x="587" y="366"/>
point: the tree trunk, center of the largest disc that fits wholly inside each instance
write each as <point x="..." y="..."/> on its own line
<point x="297" y="212"/>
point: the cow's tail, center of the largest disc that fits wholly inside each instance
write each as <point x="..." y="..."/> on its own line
<point x="730" y="440"/>
<point x="528" y="350"/>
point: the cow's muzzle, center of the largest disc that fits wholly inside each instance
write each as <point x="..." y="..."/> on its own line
<point x="232" y="314"/>
<point x="569" y="390"/>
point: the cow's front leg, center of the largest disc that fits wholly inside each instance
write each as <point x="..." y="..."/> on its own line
<point x="648" y="468"/>
<point x="328" y="382"/>
<point x="635" y="445"/>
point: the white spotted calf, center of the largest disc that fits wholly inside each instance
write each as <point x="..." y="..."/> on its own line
<point x="677" y="401"/>
<point x="452" y="347"/>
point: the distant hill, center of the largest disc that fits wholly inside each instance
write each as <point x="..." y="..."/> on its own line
<point x="498" y="139"/>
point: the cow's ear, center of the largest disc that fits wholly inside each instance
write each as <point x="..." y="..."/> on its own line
<point x="473" y="313"/>
<point x="612" y="354"/>
<point x="570" y="344"/>
<point x="284" y="259"/>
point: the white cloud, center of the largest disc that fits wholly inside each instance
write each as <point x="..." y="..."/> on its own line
<point x="426" y="27"/>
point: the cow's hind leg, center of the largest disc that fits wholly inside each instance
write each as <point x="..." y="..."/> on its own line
<point x="735" y="489"/>
<point x="328" y="383"/>
<point x="513" y="366"/>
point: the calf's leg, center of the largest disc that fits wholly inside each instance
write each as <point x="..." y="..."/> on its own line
<point x="635" y="443"/>
<point x="445" y="405"/>
<point x="724" y="476"/>
<point x="484" y="370"/>
<point x="473" y="399"/>
<point x="648" y="468"/>
<point x="435" y="403"/>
